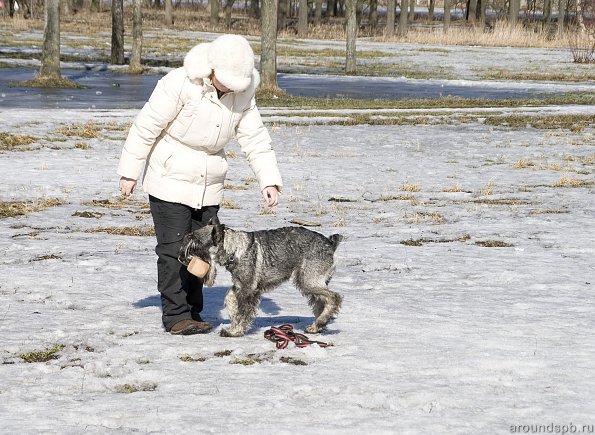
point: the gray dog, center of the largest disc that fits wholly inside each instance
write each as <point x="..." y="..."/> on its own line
<point x="259" y="261"/>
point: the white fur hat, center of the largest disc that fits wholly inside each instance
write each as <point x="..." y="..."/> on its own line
<point x="230" y="57"/>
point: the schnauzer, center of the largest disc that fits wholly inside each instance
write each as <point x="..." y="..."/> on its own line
<point x="260" y="261"/>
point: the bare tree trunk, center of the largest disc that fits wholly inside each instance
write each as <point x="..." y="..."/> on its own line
<point x="391" y="6"/>
<point x="472" y="11"/>
<point x="50" y="55"/>
<point x="137" y="36"/>
<point x="95" y="5"/>
<point x="373" y="17"/>
<point x="351" y="31"/>
<point x="214" y="17"/>
<point x="65" y="8"/>
<point x="514" y="8"/>
<point x="411" y="10"/>
<point x="303" y="19"/>
<point x="483" y="5"/>
<point x="268" y="44"/>
<point x="318" y="13"/>
<point x="547" y="14"/>
<point x="254" y="9"/>
<point x="431" y="10"/>
<point x="168" y="18"/>
<point x="282" y="10"/>
<point x="561" y="16"/>
<point x="117" y="56"/>
<point x="331" y="5"/>
<point x="403" y="18"/>
<point x="228" y="10"/>
<point x="580" y="19"/>
<point x="446" y="18"/>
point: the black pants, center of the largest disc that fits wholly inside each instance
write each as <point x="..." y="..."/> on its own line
<point x="181" y="292"/>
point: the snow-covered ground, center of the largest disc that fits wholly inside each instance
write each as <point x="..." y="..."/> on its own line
<point x="448" y="336"/>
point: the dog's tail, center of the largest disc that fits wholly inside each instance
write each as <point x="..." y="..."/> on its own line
<point x="335" y="239"/>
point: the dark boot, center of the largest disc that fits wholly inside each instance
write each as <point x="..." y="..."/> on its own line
<point x="190" y="327"/>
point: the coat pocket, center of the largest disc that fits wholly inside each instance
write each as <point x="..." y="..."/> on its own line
<point x="171" y="221"/>
<point x="178" y="162"/>
<point x="160" y="157"/>
<point x="216" y="169"/>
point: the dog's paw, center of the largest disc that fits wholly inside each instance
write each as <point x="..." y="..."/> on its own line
<point x="229" y="333"/>
<point x="313" y="329"/>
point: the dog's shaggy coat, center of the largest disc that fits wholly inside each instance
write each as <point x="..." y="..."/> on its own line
<point x="259" y="261"/>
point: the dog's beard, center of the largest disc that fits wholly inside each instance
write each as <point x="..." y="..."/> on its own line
<point x="209" y="279"/>
<point x="185" y="256"/>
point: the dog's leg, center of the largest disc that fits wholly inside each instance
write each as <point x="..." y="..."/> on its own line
<point x="332" y="304"/>
<point x="317" y="305"/>
<point x="326" y="305"/>
<point x="324" y="302"/>
<point x="242" y="311"/>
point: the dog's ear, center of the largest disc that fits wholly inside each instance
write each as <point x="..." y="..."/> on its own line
<point x="218" y="234"/>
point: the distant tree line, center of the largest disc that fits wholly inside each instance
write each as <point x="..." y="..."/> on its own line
<point x="300" y="16"/>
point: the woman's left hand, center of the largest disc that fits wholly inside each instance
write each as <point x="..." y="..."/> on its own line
<point x="271" y="195"/>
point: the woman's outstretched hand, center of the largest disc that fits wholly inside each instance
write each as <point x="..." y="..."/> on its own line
<point x="127" y="186"/>
<point x="271" y="195"/>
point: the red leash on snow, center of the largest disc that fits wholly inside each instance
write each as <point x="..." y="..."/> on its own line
<point x="284" y="334"/>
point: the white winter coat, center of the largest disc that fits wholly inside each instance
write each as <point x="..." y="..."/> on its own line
<point x="179" y="137"/>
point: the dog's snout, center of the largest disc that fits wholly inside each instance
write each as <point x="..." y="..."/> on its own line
<point x="185" y="253"/>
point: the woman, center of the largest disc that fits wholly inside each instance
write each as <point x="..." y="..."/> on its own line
<point x="178" y="138"/>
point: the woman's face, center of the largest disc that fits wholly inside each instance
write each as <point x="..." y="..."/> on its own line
<point x="218" y="84"/>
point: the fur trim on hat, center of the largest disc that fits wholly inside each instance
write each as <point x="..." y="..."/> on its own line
<point x="196" y="63"/>
<point x="230" y="57"/>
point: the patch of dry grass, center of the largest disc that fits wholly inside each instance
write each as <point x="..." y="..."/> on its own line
<point x="425" y="217"/>
<point x="410" y="187"/>
<point x="190" y="358"/>
<point x="88" y="130"/>
<point x="503" y="201"/>
<point x="47" y="257"/>
<point x="122" y="202"/>
<point x="236" y="187"/>
<point x="538" y="212"/>
<point x="575" y="123"/>
<point x="133" y="388"/>
<point x="229" y="205"/>
<point x="265" y="210"/>
<point x="49" y="83"/>
<point x="390" y="197"/>
<point x="420" y="242"/>
<point x="566" y="181"/>
<point x="494" y="244"/>
<point x="488" y="189"/>
<point x="523" y="163"/>
<point x="12" y="142"/>
<point x="140" y="231"/>
<point x="588" y="160"/>
<point x="42" y="355"/>
<point x="456" y="188"/>
<point x="558" y="76"/>
<point x="501" y="34"/>
<point x="22" y="208"/>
